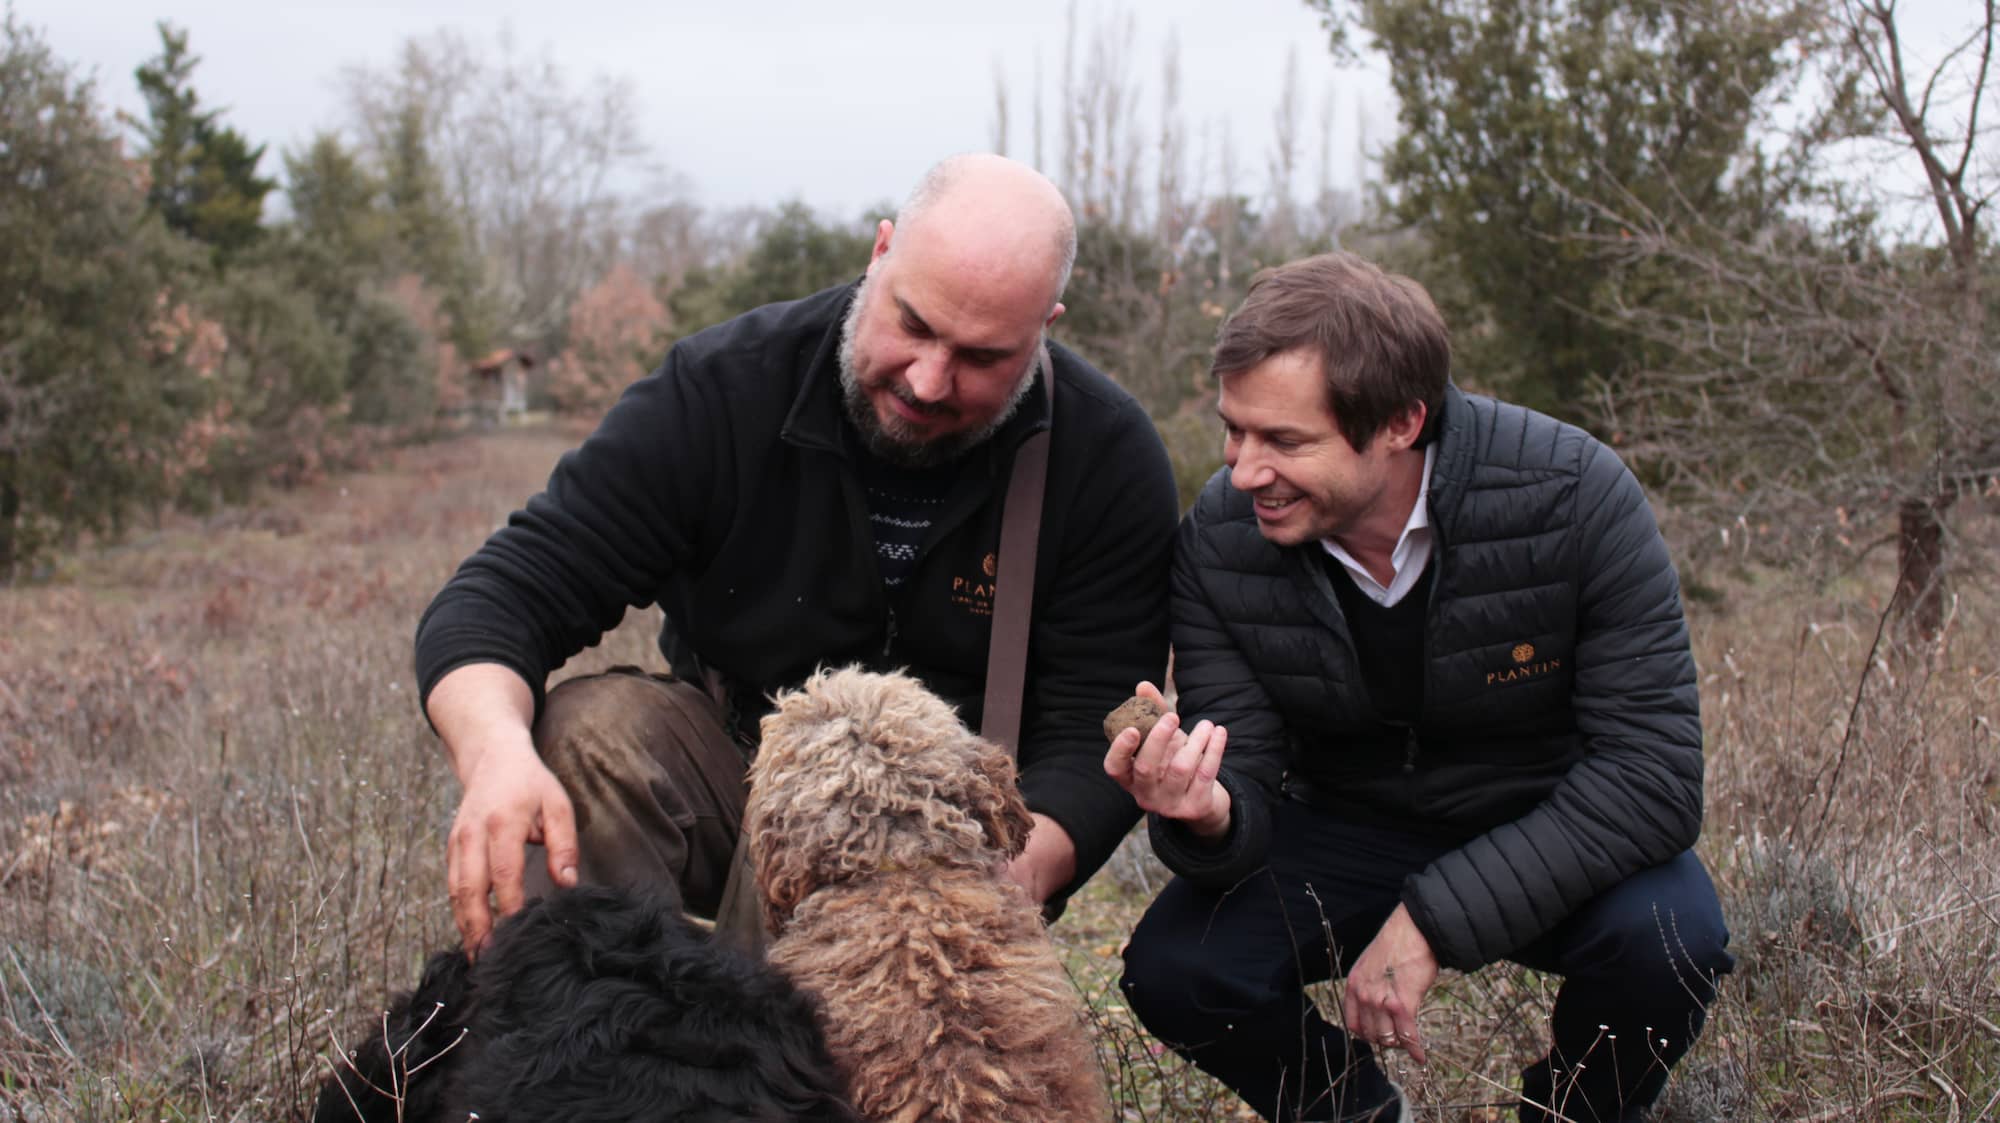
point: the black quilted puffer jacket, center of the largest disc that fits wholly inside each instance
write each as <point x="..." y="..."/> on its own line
<point x="1559" y="743"/>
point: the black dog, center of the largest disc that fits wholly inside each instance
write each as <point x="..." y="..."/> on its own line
<point x="398" y="1059"/>
<point x="595" y="1007"/>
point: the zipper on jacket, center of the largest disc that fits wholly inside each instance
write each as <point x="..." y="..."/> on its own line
<point x="1409" y="748"/>
<point x="889" y="633"/>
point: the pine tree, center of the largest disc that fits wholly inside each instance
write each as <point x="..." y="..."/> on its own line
<point x="1518" y="115"/>
<point x="102" y="360"/>
<point x="432" y="233"/>
<point x="204" y="173"/>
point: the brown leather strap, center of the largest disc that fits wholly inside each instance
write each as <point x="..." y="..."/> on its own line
<point x="1014" y="580"/>
<point x="739" y="918"/>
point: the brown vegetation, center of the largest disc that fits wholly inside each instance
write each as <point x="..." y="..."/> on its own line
<point x="222" y="822"/>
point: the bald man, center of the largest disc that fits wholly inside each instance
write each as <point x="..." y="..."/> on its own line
<point x="815" y="482"/>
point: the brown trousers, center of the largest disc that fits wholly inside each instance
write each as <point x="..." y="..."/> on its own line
<point x="658" y="786"/>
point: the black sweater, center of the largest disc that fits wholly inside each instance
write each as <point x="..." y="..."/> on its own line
<point x="722" y="488"/>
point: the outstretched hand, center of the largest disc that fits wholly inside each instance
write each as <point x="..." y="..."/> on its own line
<point x="1172" y="773"/>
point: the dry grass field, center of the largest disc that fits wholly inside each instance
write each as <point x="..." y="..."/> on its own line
<point x="222" y="829"/>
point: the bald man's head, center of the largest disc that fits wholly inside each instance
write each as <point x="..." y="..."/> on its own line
<point x="939" y="344"/>
<point x="1006" y="197"/>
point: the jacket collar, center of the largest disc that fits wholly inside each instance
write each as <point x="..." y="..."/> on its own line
<point x="1453" y="468"/>
<point x="1449" y="472"/>
<point x="818" y="418"/>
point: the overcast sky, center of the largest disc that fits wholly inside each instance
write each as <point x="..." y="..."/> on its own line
<point x="842" y="105"/>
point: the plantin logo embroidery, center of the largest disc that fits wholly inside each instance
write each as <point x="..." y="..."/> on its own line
<point x="1524" y="666"/>
<point x="975" y="594"/>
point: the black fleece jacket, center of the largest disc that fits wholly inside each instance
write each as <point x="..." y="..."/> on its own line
<point x="721" y="487"/>
<point x="1559" y="740"/>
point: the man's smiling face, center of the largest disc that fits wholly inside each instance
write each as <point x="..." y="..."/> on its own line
<point x="1284" y="447"/>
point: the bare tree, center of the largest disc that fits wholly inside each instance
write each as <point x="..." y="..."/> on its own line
<point x="999" y="130"/>
<point x="1326" y="107"/>
<point x="1158" y="259"/>
<point x="1172" y="207"/>
<point x="1826" y="363"/>
<point x="1284" y="158"/>
<point x="542" y="168"/>
<point x="1333" y="207"/>
<point x="1100" y="103"/>
<point x="1227" y="229"/>
<point x="1362" y="156"/>
<point x="1067" y="173"/>
<point x="1937" y="123"/>
<point x="1123" y="148"/>
<point x="668" y="241"/>
<point x="1040" y="151"/>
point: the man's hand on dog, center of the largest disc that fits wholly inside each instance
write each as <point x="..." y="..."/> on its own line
<point x="1171" y="772"/>
<point x="511" y="799"/>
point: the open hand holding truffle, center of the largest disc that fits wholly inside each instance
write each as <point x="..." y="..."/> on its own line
<point x="1170" y="772"/>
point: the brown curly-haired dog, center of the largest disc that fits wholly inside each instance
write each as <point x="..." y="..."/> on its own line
<point x="880" y="829"/>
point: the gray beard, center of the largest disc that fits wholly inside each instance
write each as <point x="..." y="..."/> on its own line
<point x="893" y="442"/>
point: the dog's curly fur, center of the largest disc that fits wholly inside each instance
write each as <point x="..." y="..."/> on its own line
<point x="593" y="1006"/>
<point x="880" y="829"/>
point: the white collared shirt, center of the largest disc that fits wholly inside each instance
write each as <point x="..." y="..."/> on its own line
<point x="1408" y="559"/>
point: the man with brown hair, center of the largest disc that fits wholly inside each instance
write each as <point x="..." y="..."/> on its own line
<point x="1441" y="641"/>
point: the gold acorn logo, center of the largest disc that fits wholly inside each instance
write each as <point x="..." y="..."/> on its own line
<point x="991" y="565"/>
<point x="1523" y="652"/>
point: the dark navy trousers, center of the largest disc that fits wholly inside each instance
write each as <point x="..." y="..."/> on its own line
<point x="1220" y="977"/>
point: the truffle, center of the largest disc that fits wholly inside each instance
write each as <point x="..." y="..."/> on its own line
<point x="1135" y="713"/>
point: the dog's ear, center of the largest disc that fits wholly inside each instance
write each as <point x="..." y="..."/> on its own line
<point x="996" y="802"/>
<point x="784" y="876"/>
